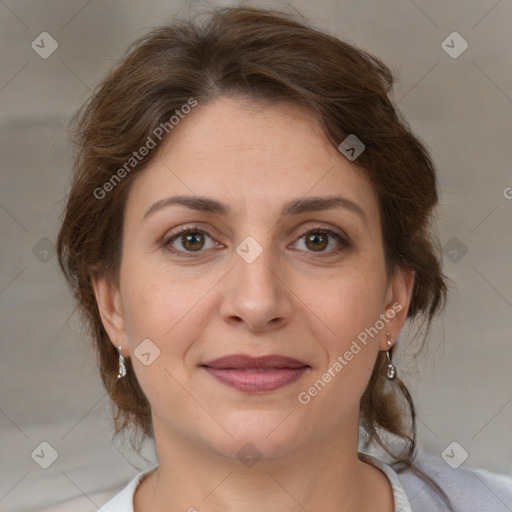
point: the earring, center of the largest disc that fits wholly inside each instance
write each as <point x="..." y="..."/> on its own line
<point x="391" y="368"/>
<point x="122" y="368"/>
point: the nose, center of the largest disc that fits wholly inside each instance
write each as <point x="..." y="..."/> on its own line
<point x="257" y="294"/>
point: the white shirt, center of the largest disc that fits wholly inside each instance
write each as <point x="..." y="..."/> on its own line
<point x="469" y="490"/>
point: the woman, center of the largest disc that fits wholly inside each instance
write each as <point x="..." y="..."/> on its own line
<point x="247" y="234"/>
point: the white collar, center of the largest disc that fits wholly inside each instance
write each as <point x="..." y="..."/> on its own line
<point x="123" y="501"/>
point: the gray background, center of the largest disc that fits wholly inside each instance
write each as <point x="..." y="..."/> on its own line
<point x="461" y="107"/>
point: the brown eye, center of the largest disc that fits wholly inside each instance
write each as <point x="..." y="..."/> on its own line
<point x="193" y="241"/>
<point x="317" y="241"/>
<point x="188" y="241"/>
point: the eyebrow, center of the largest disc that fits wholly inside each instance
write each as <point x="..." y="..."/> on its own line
<point x="295" y="207"/>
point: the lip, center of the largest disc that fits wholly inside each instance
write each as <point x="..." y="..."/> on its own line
<point x="256" y="374"/>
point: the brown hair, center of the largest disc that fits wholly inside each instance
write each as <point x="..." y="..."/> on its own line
<point x="258" y="55"/>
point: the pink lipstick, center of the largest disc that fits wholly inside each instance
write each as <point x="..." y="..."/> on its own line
<point x="256" y="374"/>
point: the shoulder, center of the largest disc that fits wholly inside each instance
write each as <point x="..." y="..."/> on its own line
<point x="85" y="503"/>
<point x="468" y="489"/>
<point x="119" y="499"/>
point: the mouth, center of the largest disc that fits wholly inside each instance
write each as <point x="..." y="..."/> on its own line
<point x="256" y="374"/>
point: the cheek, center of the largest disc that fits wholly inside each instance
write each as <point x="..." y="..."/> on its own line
<point x="346" y="304"/>
<point x="160" y="310"/>
<point x="166" y="310"/>
<point x="344" y="312"/>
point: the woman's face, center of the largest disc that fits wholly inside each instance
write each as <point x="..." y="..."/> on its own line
<point x="264" y="271"/>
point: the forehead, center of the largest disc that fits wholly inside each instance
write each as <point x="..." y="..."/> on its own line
<point x="254" y="153"/>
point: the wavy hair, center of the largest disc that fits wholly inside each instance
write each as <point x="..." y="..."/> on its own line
<point x="265" y="55"/>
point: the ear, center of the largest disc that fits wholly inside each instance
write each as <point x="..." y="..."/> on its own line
<point x="398" y="298"/>
<point x="108" y="298"/>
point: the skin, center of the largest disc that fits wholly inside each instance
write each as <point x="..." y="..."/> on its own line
<point x="296" y="299"/>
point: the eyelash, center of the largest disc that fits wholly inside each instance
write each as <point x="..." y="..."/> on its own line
<point x="344" y="242"/>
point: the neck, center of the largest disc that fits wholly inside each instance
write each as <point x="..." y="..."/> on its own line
<point x="320" y="477"/>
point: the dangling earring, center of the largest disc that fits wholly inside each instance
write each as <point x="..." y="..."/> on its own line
<point x="122" y="368"/>
<point x="391" y="368"/>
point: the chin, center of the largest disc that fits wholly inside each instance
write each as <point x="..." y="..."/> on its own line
<point x="258" y="434"/>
